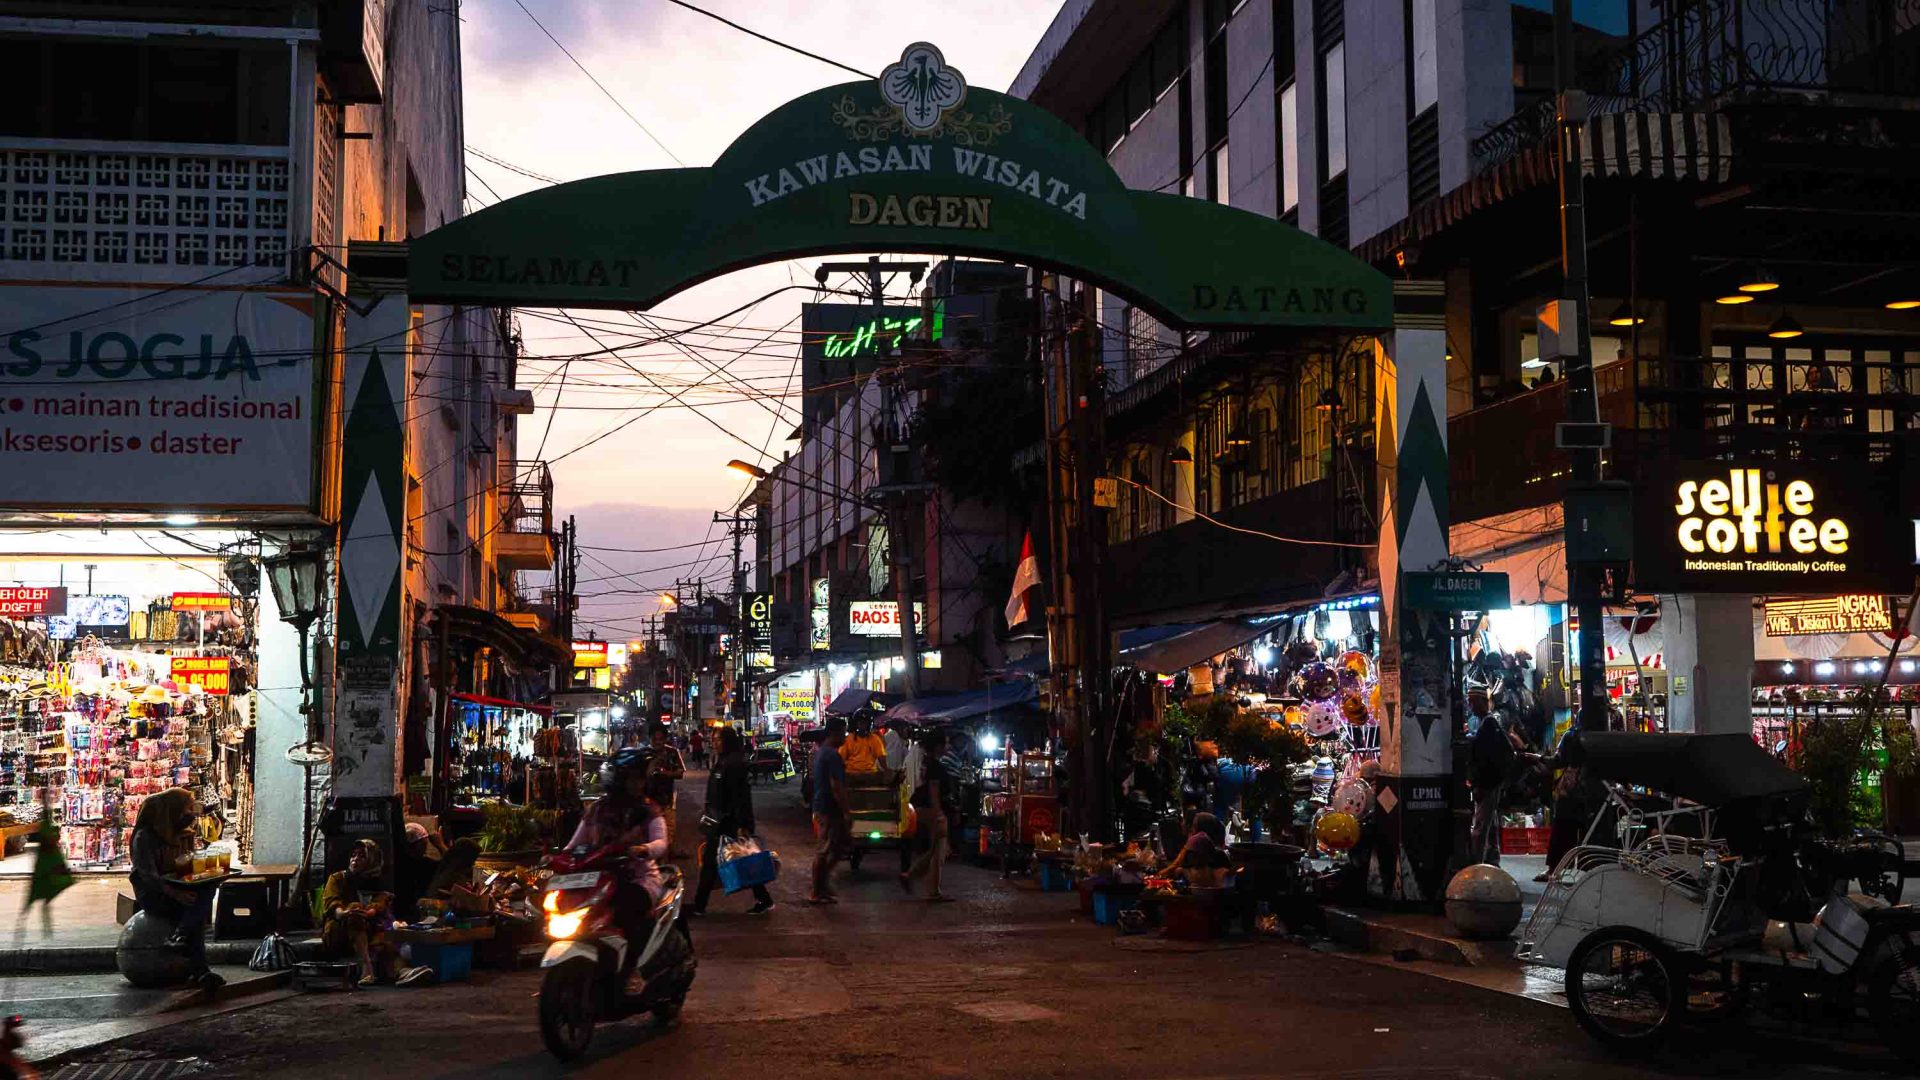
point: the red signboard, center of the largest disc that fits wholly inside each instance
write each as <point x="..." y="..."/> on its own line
<point x="26" y="601"/>
<point x="200" y="601"/>
<point x="214" y="674"/>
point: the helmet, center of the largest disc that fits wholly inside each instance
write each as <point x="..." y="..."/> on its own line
<point x="628" y="760"/>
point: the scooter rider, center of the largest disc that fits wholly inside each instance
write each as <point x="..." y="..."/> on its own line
<point x="626" y="816"/>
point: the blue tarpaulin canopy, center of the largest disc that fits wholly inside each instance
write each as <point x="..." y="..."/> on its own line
<point x="947" y="708"/>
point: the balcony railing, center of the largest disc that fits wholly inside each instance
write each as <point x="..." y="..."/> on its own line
<point x="1716" y="51"/>
<point x="159" y="212"/>
<point x="527" y="492"/>
<point x="1503" y="457"/>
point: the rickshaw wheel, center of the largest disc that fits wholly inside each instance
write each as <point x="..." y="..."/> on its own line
<point x="1893" y="1003"/>
<point x="1625" y="988"/>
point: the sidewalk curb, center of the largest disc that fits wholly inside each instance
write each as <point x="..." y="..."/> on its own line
<point x="99" y="959"/>
<point x="85" y="1038"/>
<point x="1361" y="931"/>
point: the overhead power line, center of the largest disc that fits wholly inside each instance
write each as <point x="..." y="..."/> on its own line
<point x="601" y="85"/>
<point x="771" y="40"/>
<point x="511" y="167"/>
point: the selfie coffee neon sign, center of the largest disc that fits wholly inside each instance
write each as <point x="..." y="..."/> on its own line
<point x="1756" y="524"/>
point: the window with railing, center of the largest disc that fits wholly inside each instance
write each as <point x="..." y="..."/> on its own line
<point x="171" y="160"/>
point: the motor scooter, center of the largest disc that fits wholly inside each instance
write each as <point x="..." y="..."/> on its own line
<point x="588" y="964"/>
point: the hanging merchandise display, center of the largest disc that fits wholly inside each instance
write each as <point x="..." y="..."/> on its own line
<point x="496" y="747"/>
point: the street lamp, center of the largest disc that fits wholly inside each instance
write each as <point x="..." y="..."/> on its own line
<point x="754" y="471"/>
<point x="294" y="577"/>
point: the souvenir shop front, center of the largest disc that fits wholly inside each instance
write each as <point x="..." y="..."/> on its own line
<point x="130" y="665"/>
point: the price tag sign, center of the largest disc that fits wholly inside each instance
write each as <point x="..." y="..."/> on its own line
<point x="214" y="674"/>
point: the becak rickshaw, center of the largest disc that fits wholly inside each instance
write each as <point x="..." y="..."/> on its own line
<point x="1714" y="898"/>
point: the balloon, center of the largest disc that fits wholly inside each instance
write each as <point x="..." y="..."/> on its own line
<point x="1354" y="709"/>
<point x="1337" y="831"/>
<point x="1323" y="719"/>
<point x="1353" y="797"/>
<point x="1318" y="682"/>
<point x="1356" y="662"/>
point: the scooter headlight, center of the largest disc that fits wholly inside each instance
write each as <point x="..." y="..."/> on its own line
<point x="563" y="925"/>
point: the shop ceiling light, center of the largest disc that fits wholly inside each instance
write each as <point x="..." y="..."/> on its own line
<point x="1531" y="363"/>
<point x="1758" y="280"/>
<point x="1786" y="326"/>
<point x="182" y="520"/>
<point x="1786" y="669"/>
<point x="1624" y="315"/>
<point x="1823" y="669"/>
<point x="1902" y="305"/>
<point x="1733" y="298"/>
<point x="1906" y="667"/>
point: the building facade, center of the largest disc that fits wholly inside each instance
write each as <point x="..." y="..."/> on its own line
<point x="180" y="187"/>
<point x="1745" y="164"/>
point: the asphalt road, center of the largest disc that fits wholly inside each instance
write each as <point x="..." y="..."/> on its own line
<point x="1007" y="982"/>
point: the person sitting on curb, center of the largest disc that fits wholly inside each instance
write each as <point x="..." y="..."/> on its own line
<point x="355" y="915"/>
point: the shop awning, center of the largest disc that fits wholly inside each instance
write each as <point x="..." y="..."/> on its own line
<point x="1672" y="146"/>
<point x="523" y="649"/>
<point x="948" y="708"/>
<point x="853" y="699"/>
<point x="1165" y="650"/>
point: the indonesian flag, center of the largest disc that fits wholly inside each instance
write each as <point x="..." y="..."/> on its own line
<point x="1025" y="579"/>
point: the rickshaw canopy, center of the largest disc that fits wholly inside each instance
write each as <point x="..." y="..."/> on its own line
<point x="1709" y="769"/>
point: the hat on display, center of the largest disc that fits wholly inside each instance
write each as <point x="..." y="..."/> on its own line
<point x="153" y="695"/>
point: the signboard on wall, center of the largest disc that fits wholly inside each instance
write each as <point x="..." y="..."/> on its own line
<point x="880" y="618"/>
<point x="1829" y="615"/>
<point x="1769" y="527"/>
<point x="213" y="674"/>
<point x="589" y="654"/>
<point x="28" y="601"/>
<point x="200" y="601"/>
<point x="801" y="704"/>
<point x="151" y="400"/>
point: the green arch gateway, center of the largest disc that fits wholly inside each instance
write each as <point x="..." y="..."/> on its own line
<point x="914" y="161"/>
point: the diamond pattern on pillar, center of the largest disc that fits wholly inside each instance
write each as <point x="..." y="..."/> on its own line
<point x="369" y="558"/>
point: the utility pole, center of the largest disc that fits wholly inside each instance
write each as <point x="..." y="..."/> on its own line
<point x="898" y="490"/>
<point x="1584" y="580"/>
<point x="738" y="526"/>
<point x="1076" y="619"/>
<point x="568" y="571"/>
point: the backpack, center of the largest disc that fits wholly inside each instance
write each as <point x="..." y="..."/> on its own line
<point x="274" y="954"/>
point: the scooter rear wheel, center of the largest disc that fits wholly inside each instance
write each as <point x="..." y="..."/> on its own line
<point x="568" y="1008"/>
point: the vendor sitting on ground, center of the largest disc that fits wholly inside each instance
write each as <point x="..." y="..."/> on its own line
<point x="163" y="834"/>
<point x="1203" y="860"/>
<point x="864" y="752"/>
<point x="355" y="915"/>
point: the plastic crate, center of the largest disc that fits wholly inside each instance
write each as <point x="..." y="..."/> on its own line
<point x="1109" y="903"/>
<point x="450" y="963"/>
<point x="1053" y="876"/>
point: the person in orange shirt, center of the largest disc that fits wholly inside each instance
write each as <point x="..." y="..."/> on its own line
<point x="864" y="751"/>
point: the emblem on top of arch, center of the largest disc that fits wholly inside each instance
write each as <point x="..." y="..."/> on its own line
<point x="922" y="98"/>
<point x="923" y="87"/>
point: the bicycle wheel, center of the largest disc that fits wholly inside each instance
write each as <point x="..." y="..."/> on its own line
<point x="1625" y="988"/>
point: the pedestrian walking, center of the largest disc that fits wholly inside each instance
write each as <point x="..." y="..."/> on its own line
<point x="697" y="747"/>
<point x="831" y="822"/>
<point x="1491" y="755"/>
<point x="933" y="805"/>
<point x="729" y="812"/>
<point x="663" y="773"/>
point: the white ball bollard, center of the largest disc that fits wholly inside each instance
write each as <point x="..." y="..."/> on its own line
<point x="1483" y="902"/>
